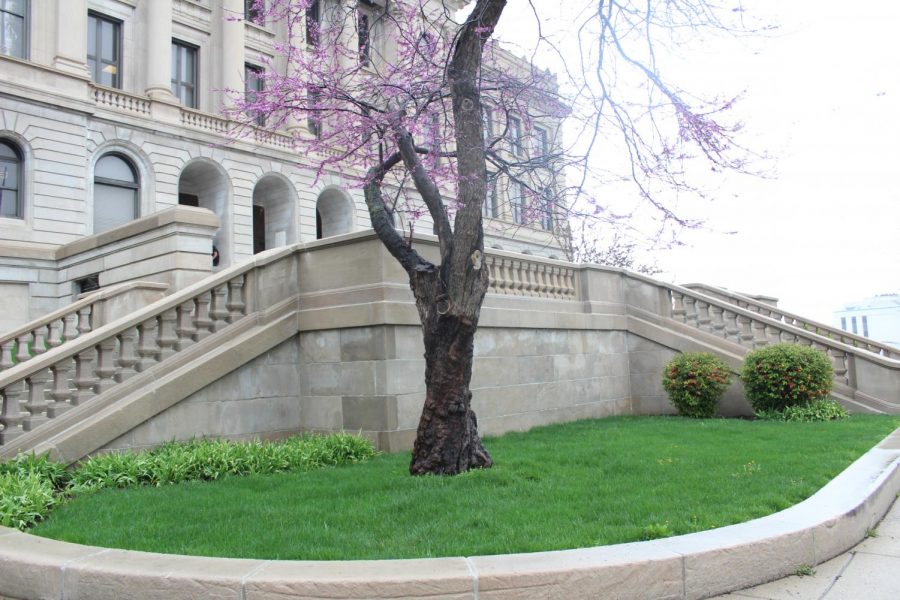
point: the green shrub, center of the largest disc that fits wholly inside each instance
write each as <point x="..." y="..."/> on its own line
<point x="25" y="498"/>
<point x="209" y="460"/>
<point x="783" y="375"/>
<point x="695" y="381"/>
<point x="818" y="410"/>
<point x="24" y="464"/>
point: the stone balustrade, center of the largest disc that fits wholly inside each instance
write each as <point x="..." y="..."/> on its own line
<point x="122" y="101"/>
<point x="68" y="375"/>
<point x="751" y="329"/>
<point x="796" y="321"/>
<point x="68" y="323"/>
<point x="523" y="277"/>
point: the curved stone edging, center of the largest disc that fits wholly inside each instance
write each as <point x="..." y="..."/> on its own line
<point x="696" y="565"/>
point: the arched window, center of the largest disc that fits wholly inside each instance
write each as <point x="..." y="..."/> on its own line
<point x="10" y="176"/>
<point x="115" y="192"/>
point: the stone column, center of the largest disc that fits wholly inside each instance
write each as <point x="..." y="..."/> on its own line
<point x="232" y="49"/>
<point x="158" y="47"/>
<point x="71" y="37"/>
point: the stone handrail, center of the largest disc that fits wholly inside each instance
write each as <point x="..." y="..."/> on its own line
<point x="751" y="329"/>
<point x="59" y="326"/>
<point x="71" y="374"/>
<point x="794" y="320"/>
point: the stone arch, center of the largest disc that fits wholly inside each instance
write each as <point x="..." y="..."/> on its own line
<point x="204" y="183"/>
<point x="143" y="170"/>
<point x="334" y="212"/>
<point x="19" y="180"/>
<point x="274" y="206"/>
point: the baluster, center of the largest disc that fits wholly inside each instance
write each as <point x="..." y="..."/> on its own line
<point x="106" y="365"/>
<point x="127" y="359"/>
<point x="23" y="347"/>
<point x="85" y="381"/>
<point x="677" y="306"/>
<point x="148" y="345"/>
<point x="839" y="364"/>
<point x="185" y="325"/>
<point x="54" y="338"/>
<point x="732" y="331"/>
<point x="493" y="273"/>
<point x="70" y="331"/>
<point x="84" y="320"/>
<point x="703" y="319"/>
<point x="167" y="338"/>
<point x="202" y="322"/>
<point x="759" y="334"/>
<point x="6" y="354"/>
<point x="235" y="303"/>
<point x="40" y="340"/>
<point x="36" y="405"/>
<point x="555" y="277"/>
<point x="690" y="311"/>
<point x="773" y="334"/>
<point x="717" y="320"/>
<point x="544" y="280"/>
<point x="12" y="416"/>
<point x="61" y="393"/>
<point x="217" y="311"/>
<point x="568" y="284"/>
<point x="515" y="271"/>
<point x="746" y="337"/>
<point x="529" y="277"/>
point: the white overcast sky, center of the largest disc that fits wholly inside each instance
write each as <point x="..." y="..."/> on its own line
<point x="823" y="99"/>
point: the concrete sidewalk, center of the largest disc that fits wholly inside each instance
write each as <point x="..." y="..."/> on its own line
<point x="869" y="571"/>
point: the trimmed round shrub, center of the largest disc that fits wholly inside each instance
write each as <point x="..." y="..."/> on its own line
<point x="783" y="375"/>
<point x="695" y="382"/>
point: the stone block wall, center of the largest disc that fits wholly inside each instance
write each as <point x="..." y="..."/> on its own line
<point x="371" y="380"/>
<point x="258" y="400"/>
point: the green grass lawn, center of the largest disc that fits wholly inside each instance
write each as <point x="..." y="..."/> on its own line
<point x="564" y="486"/>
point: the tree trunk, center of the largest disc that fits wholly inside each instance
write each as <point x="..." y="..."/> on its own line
<point x="447" y="441"/>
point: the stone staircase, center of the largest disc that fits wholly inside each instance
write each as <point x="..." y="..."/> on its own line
<point x="92" y="384"/>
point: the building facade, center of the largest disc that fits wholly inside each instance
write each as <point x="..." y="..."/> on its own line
<point x="112" y="110"/>
<point x="876" y="318"/>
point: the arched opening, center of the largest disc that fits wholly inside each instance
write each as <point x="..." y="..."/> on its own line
<point x="205" y="185"/>
<point x="274" y="200"/>
<point x="10" y="178"/>
<point x="116" y="187"/>
<point x="334" y="213"/>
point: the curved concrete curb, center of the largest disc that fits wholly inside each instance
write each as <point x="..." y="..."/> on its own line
<point x="689" y="566"/>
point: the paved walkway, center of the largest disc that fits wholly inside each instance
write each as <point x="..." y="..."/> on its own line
<point x="870" y="571"/>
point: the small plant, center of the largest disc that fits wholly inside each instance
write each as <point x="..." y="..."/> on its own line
<point x="25" y="499"/>
<point x="871" y="533"/>
<point x="818" y="410"/>
<point x="695" y="382"/>
<point x="655" y="531"/>
<point x="30" y="486"/>
<point x="805" y="571"/>
<point x="783" y="375"/>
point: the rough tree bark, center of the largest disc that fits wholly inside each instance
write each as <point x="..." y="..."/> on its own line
<point x="448" y="295"/>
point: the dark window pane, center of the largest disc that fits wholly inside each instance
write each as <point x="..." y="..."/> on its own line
<point x="13" y="28"/>
<point x="103" y="52"/>
<point x="10" y="164"/>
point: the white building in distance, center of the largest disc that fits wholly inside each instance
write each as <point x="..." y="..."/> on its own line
<point x="877" y="318"/>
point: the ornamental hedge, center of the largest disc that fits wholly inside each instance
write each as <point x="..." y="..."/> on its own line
<point x="783" y="375"/>
<point x="695" y="382"/>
